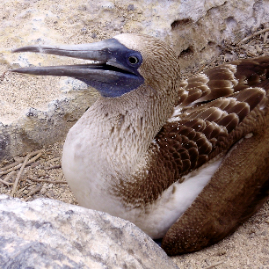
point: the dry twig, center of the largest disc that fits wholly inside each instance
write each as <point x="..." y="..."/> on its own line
<point x="249" y="37"/>
<point x="5" y="181"/>
<point x="214" y="265"/>
<point x="11" y="168"/>
<point x="20" y="191"/>
<point x="32" y="192"/>
<point x="35" y="190"/>
<point x="54" y="160"/>
<point x="53" y="167"/>
<point x="47" y="180"/>
<point x="19" y="174"/>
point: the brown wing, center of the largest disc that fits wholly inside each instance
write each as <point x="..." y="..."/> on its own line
<point x="224" y="80"/>
<point x="202" y="128"/>
<point x="216" y="109"/>
<point x="203" y="131"/>
<point x="209" y="126"/>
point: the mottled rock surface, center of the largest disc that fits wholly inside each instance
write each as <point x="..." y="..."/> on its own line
<point x="51" y="234"/>
<point x="39" y="111"/>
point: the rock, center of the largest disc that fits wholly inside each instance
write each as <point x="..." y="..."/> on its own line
<point x="39" y="111"/>
<point x="51" y="234"/>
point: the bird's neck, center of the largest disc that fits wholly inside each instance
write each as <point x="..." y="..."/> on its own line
<point x="127" y="125"/>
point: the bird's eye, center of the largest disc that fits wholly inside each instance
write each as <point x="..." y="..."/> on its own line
<point x="133" y="60"/>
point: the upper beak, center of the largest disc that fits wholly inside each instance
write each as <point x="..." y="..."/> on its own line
<point x="99" y="52"/>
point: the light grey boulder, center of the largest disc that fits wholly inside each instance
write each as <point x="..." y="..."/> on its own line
<point x="51" y="234"/>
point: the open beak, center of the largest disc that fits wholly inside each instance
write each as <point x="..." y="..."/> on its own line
<point x="109" y="72"/>
<point x="100" y="52"/>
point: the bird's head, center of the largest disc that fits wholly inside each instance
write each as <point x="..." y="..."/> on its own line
<point x="119" y="65"/>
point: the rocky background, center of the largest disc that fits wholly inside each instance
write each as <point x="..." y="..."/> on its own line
<point x="37" y="112"/>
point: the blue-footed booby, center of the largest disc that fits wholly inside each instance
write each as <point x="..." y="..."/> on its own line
<point x="185" y="160"/>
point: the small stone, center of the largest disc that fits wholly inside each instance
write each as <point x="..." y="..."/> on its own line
<point x="264" y="233"/>
<point x="44" y="189"/>
<point x="221" y="252"/>
<point x="265" y="250"/>
<point x="131" y="7"/>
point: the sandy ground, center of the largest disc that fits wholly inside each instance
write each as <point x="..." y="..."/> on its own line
<point x="39" y="175"/>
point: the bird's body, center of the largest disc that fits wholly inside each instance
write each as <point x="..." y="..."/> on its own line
<point x="150" y="144"/>
<point x="115" y="164"/>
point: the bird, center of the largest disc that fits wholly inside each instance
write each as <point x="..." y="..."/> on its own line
<point x="186" y="160"/>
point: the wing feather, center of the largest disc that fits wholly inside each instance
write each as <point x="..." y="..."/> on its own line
<point x="229" y="104"/>
<point x="209" y="118"/>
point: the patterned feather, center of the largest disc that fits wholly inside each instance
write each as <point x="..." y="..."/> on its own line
<point x="216" y="109"/>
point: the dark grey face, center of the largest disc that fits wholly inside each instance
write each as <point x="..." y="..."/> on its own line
<point x="114" y="72"/>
